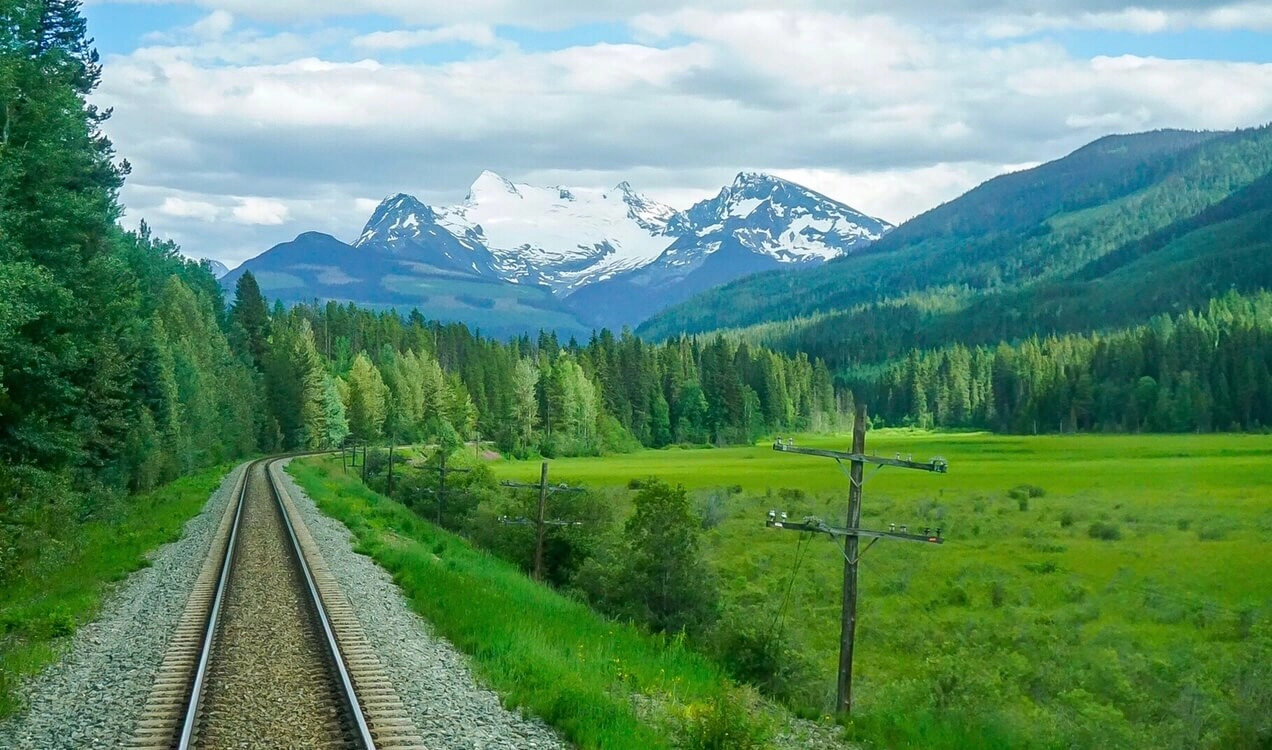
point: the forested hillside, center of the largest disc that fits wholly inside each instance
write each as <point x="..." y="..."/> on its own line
<point x="1192" y="372"/>
<point x="1005" y="260"/>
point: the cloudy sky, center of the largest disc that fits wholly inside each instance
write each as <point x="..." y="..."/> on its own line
<point x="250" y="121"/>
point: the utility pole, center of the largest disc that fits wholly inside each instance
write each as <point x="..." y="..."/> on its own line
<point x="540" y="522"/>
<point x="442" y="470"/>
<point x="852" y="534"/>
<point x="389" y="490"/>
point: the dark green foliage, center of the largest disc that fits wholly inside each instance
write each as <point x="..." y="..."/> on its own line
<point x="115" y="371"/>
<point x="1205" y="371"/>
<point x="1104" y="530"/>
<point x="251" y="318"/>
<point x="656" y="575"/>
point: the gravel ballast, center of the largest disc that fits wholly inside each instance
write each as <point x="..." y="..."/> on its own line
<point x="94" y="694"/>
<point x="431" y="677"/>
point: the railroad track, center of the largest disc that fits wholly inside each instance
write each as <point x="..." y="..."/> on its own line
<point x="268" y="652"/>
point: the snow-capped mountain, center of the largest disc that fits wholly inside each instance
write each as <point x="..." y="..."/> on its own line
<point x="767" y="218"/>
<point x="612" y="257"/>
<point x="567" y="238"/>
<point x="408" y="229"/>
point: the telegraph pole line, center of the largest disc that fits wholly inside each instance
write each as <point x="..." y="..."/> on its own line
<point x="853" y="532"/>
<point x="540" y="522"/>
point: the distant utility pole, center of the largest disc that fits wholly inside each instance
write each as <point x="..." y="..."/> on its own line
<point x="853" y="532"/>
<point x="540" y="522"/>
<point x="440" y="493"/>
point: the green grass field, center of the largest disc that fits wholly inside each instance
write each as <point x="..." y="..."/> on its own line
<point x="1124" y="604"/>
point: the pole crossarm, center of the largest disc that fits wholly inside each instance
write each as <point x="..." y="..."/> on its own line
<point x="778" y="521"/>
<point x="523" y="521"/>
<point x="937" y="465"/>
<point x="549" y="488"/>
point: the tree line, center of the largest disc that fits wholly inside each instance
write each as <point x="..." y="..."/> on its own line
<point x="1209" y="370"/>
<point x="333" y="372"/>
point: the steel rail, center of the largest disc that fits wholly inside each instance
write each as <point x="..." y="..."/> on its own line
<point x="348" y="693"/>
<point x="333" y="647"/>
<point x="214" y="617"/>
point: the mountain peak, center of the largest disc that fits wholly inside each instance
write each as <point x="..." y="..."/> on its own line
<point x="398" y="215"/>
<point x="623" y="187"/>
<point x="488" y="183"/>
<point x="753" y="179"/>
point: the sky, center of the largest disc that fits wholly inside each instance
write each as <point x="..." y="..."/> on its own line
<point x="247" y="122"/>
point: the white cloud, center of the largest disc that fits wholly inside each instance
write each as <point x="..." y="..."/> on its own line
<point x="899" y="194"/>
<point x="215" y="25"/>
<point x="262" y="211"/>
<point x="476" y="34"/>
<point x="189" y="209"/>
<point x="887" y="114"/>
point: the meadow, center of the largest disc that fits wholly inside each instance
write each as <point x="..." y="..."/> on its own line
<point x="1092" y="591"/>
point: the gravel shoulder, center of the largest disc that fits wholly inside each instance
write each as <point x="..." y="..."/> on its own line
<point x="431" y="677"/>
<point x="94" y="694"/>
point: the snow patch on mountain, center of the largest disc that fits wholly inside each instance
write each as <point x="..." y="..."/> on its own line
<point x="560" y="236"/>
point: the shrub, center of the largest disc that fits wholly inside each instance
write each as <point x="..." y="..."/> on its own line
<point x="732" y="720"/>
<point x="635" y="483"/>
<point x="1026" y="491"/>
<point x="1104" y="530"/>
<point x="1042" y="568"/>
<point x="1066" y="519"/>
<point x="712" y="510"/>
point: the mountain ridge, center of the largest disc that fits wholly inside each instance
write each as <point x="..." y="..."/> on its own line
<point x="1120" y="230"/>
<point x="559" y="241"/>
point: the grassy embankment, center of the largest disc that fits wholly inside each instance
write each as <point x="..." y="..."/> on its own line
<point x="62" y="587"/>
<point x="1125" y="601"/>
<point x="602" y="684"/>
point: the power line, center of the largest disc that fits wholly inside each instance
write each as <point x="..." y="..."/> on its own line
<point x="852" y="532"/>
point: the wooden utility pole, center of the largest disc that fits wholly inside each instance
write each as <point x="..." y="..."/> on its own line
<point x="541" y="522"/>
<point x="442" y="470"/>
<point x="848" y="623"/>
<point x="389" y="491"/>
<point x="852" y="534"/>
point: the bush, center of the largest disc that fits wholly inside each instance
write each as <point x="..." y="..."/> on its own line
<point x="1104" y="530"/>
<point x="712" y="510"/>
<point x="1026" y="491"/>
<point x="732" y="720"/>
<point x="1066" y="519"/>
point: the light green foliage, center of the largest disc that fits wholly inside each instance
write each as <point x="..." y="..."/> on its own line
<point x="525" y="402"/>
<point x="335" y="421"/>
<point x="1021" y="630"/>
<point x="368" y="396"/>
